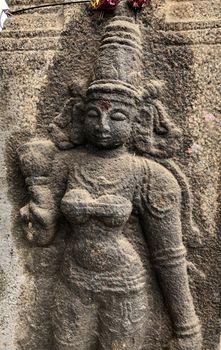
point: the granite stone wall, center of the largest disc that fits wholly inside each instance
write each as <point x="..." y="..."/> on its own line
<point x="42" y="53"/>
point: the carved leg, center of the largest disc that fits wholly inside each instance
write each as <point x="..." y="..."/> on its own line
<point x="74" y="320"/>
<point x="123" y="322"/>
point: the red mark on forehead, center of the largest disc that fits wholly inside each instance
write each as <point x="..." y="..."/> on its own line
<point x="105" y="105"/>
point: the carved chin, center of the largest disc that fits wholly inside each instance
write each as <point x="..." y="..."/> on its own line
<point x="105" y="143"/>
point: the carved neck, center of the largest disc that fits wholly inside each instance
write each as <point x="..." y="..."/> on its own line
<point x="107" y="153"/>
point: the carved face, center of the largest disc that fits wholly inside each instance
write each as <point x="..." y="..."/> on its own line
<point x="108" y="124"/>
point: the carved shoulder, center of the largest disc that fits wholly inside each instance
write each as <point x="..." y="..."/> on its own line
<point x="160" y="191"/>
<point x="161" y="179"/>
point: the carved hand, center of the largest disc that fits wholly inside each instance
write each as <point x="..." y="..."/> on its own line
<point x="38" y="224"/>
<point x="39" y="215"/>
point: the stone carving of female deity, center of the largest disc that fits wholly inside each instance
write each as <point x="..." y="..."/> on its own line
<point x="108" y="167"/>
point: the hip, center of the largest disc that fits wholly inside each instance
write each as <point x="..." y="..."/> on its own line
<point x="127" y="279"/>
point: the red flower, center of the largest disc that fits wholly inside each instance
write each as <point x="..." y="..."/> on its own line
<point x="137" y="4"/>
<point x="104" y="5"/>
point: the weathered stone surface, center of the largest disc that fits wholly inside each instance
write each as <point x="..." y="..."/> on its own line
<point x="43" y="54"/>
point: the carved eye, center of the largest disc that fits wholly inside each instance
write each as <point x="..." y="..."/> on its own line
<point x="118" y="116"/>
<point x="92" y="113"/>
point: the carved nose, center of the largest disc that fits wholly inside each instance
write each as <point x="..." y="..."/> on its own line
<point x="104" y="125"/>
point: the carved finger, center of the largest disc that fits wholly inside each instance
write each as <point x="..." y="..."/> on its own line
<point x="29" y="235"/>
<point x="24" y="212"/>
<point x="42" y="217"/>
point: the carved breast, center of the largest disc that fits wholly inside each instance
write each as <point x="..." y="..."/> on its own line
<point x="98" y="242"/>
<point x="79" y="207"/>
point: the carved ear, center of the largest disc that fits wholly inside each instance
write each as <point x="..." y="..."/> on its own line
<point x="154" y="132"/>
<point x="66" y="130"/>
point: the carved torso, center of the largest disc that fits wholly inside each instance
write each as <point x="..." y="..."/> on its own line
<point x="98" y="203"/>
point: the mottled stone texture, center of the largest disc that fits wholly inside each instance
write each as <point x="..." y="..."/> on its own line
<point x="43" y="54"/>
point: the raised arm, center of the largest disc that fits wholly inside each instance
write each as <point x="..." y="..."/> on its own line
<point x="161" y="223"/>
<point x="46" y="181"/>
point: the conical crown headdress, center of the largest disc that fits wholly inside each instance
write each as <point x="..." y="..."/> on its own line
<point x="117" y="75"/>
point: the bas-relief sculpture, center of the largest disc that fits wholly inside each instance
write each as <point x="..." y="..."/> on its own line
<point x="108" y="170"/>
